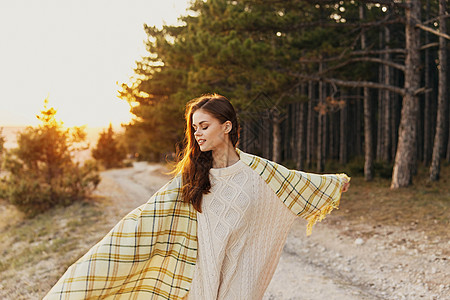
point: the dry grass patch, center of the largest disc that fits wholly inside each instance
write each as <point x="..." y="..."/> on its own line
<point x="52" y="240"/>
<point x="423" y="207"/>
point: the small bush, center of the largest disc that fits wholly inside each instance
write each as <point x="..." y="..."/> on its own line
<point x="383" y="169"/>
<point x="355" y="167"/>
<point x="41" y="171"/>
<point x="333" y="166"/>
<point x="35" y="194"/>
<point x="108" y="151"/>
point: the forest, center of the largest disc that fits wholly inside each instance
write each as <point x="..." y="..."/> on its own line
<point x="314" y="83"/>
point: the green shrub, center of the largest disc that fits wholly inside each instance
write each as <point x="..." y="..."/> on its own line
<point x="355" y="167"/>
<point x="108" y="151"/>
<point x="41" y="171"/>
<point x="333" y="166"/>
<point x="383" y="169"/>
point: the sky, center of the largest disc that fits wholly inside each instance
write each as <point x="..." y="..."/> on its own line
<point x="76" y="53"/>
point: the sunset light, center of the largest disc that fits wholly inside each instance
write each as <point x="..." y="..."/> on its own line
<point x="76" y="53"/>
<point x="112" y="186"/>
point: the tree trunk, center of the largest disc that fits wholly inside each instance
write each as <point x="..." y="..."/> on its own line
<point x="427" y="118"/>
<point x="286" y="131"/>
<point x="387" y="99"/>
<point x="320" y="127"/>
<point x="310" y="125"/>
<point x="301" y="117"/>
<point x="334" y="128"/>
<point x="381" y="100"/>
<point x="380" y="142"/>
<point x="343" y="132"/>
<point x="406" y="149"/>
<point x="302" y="138"/>
<point x="394" y="123"/>
<point x="276" y="150"/>
<point x="291" y="136"/>
<point x="368" y="141"/>
<point x="325" y="142"/>
<point x="427" y="108"/>
<point x="359" y="111"/>
<point x="442" y="120"/>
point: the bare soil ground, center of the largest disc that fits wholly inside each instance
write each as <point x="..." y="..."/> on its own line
<point x="380" y="244"/>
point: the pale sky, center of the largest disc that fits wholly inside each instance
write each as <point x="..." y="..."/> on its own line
<point x="74" y="52"/>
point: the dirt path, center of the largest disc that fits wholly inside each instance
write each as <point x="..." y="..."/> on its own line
<point x="336" y="262"/>
<point x="369" y="263"/>
<point x="128" y="188"/>
<point x="340" y="260"/>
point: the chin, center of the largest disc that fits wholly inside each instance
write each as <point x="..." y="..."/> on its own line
<point x="203" y="149"/>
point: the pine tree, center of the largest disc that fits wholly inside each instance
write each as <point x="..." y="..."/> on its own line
<point x="244" y="49"/>
<point x="108" y="151"/>
<point x="41" y="171"/>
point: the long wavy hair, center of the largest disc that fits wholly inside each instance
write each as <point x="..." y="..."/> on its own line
<point x="191" y="161"/>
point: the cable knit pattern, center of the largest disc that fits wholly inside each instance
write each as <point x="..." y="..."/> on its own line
<point x="241" y="234"/>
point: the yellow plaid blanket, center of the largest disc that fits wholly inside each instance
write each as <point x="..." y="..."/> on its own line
<point x="151" y="252"/>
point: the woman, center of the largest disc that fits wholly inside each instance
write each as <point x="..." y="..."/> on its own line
<point x="215" y="231"/>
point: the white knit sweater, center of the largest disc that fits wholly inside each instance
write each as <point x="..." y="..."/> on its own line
<point x="241" y="233"/>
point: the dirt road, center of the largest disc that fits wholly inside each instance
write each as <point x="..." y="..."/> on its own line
<point x="336" y="262"/>
<point x="340" y="260"/>
<point x="128" y="188"/>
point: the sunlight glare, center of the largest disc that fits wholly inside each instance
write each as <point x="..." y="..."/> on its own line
<point x="75" y="53"/>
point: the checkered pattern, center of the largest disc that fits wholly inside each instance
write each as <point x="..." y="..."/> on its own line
<point x="151" y="252"/>
<point x="308" y="195"/>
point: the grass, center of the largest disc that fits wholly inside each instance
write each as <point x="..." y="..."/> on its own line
<point x="54" y="233"/>
<point x="424" y="206"/>
<point x="35" y="252"/>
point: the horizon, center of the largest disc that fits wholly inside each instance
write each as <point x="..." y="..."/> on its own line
<point x="92" y="134"/>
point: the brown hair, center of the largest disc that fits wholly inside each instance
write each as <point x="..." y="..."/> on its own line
<point x="192" y="162"/>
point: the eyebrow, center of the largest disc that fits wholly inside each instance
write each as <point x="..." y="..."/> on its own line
<point x="200" y="123"/>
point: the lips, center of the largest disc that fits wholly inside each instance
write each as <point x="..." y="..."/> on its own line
<point x="201" y="141"/>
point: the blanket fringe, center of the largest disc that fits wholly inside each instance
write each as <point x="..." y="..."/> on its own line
<point x="321" y="214"/>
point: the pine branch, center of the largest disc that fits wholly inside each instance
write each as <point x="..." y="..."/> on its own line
<point x="379" y="60"/>
<point x="346" y="24"/>
<point x="356" y="59"/>
<point x="435" y="19"/>
<point x="433" y="31"/>
<point x="430" y="45"/>
<point x="377" y="52"/>
<point x="368" y="84"/>
<point x="423" y="90"/>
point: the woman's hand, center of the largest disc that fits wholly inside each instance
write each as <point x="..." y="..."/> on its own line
<point x="345" y="186"/>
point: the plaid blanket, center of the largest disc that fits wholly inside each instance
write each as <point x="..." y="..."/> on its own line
<point x="151" y="252"/>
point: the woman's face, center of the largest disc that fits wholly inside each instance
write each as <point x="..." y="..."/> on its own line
<point x="208" y="132"/>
